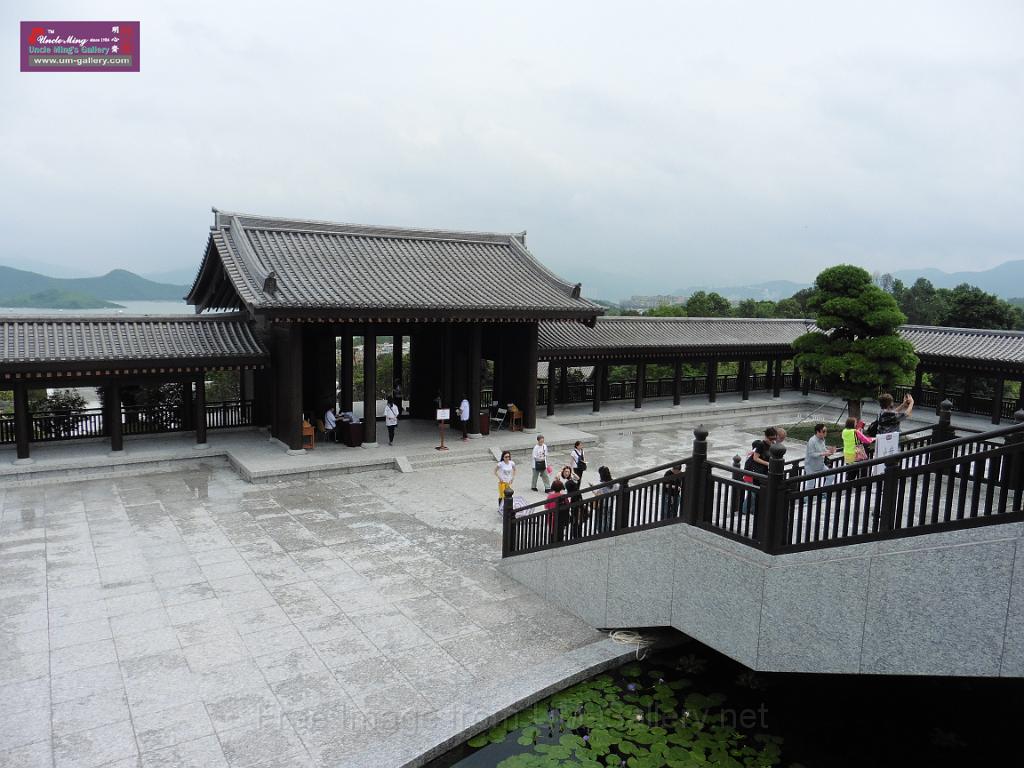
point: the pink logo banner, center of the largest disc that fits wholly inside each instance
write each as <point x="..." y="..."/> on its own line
<point x="79" y="46"/>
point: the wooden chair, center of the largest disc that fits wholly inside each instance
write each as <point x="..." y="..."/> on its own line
<point x="323" y="431"/>
<point x="515" y="416"/>
<point x="308" y="433"/>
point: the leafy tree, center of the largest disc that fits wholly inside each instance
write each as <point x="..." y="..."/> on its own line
<point x="856" y="350"/>
<point x="668" y="310"/>
<point x="754" y="308"/>
<point x="804" y="297"/>
<point x="971" y="307"/>
<point x="922" y="304"/>
<point x="704" y="304"/>
<point x="789" y="308"/>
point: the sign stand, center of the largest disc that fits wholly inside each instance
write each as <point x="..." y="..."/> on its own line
<point x="442" y="414"/>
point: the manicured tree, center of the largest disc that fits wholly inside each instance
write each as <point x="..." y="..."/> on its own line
<point x="856" y="351"/>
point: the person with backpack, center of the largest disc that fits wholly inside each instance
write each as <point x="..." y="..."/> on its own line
<point x="886" y="428"/>
<point x="577" y="460"/>
<point x="540" y="464"/>
<point x="757" y="462"/>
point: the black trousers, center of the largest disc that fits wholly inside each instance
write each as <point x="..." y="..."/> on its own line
<point x="391" y="433"/>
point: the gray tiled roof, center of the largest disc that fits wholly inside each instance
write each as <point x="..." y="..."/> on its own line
<point x="966" y="343"/>
<point x="283" y="264"/>
<point x="78" y="342"/>
<point x="669" y="335"/>
<point x="682" y="335"/>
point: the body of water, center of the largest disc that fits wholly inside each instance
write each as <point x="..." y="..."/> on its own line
<point x="131" y="309"/>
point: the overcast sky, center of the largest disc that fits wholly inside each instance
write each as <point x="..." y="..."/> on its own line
<point x="645" y="147"/>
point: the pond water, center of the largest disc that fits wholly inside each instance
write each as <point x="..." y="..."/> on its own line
<point x="690" y="706"/>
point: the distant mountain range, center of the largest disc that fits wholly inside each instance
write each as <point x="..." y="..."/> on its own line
<point x="1005" y="281"/>
<point x="21" y="288"/>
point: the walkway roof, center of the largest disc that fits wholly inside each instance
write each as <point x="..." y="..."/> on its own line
<point x="620" y="338"/>
<point x="90" y="345"/>
<point x="294" y="269"/>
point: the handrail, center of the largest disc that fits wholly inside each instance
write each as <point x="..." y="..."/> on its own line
<point x="944" y="484"/>
<point x="613" y="482"/>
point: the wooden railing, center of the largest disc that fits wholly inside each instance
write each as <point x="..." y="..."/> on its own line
<point x="938" y="481"/>
<point x="135" y="420"/>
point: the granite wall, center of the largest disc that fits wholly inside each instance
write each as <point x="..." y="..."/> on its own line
<point x="939" y="604"/>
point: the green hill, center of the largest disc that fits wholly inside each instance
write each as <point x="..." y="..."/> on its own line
<point x="53" y="298"/>
<point x="119" y="284"/>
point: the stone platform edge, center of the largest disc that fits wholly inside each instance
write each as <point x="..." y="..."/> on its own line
<point x="451" y="726"/>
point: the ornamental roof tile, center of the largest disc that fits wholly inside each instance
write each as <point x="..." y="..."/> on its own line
<point x="83" y="342"/>
<point x="285" y="264"/>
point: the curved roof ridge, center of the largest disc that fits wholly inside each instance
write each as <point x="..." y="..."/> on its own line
<point x="957" y="329"/>
<point x="73" y="318"/>
<point x="256" y="221"/>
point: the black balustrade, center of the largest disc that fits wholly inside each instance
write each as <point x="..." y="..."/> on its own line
<point x="135" y="419"/>
<point x="965" y="479"/>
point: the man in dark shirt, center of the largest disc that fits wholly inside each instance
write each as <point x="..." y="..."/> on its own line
<point x="672" y="492"/>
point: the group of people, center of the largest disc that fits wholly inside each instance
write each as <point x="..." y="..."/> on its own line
<point x="564" y="490"/>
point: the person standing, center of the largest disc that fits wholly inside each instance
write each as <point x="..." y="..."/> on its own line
<point x="396" y="393"/>
<point x="505" y="471"/>
<point x="540" y="464"/>
<point x="577" y="460"/>
<point x="464" y="417"/>
<point x="391" y="419"/>
<point x="604" y="500"/>
<point x="817" y="452"/>
<point x="672" y="492"/>
<point x="886" y="427"/>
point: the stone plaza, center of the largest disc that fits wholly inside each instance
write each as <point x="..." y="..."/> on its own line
<point x="189" y="618"/>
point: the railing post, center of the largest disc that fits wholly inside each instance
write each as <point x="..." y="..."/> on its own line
<point x="890" y="492"/>
<point x="942" y="431"/>
<point x="693" y="501"/>
<point x="771" y="504"/>
<point x="622" y="507"/>
<point x="1014" y="477"/>
<point x="736" y="502"/>
<point x="508" y="518"/>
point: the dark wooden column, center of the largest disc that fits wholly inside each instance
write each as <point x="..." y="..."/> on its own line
<point x="326" y="392"/>
<point x="245" y="385"/>
<point x="346" y="369"/>
<point x="711" y="383"/>
<point x="473" y="370"/>
<point x="114" y="404"/>
<point x="796" y="376"/>
<point x="1020" y="396"/>
<point x="769" y="373"/>
<point x="638" y="386"/>
<point x="398" y="363"/>
<point x="529" y="407"/>
<point x="200" y="410"/>
<point x="777" y="381"/>
<point x="22" y="423"/>
<point x="600" y="373"/>
<point x="997" y="401"/>
<point x="916" y="391"/>
<point x="563" y="383"/>
<point x="744" y="385"/>
<point x="606" y="387"/>
<point x="1000" y="385"/>
<point x="677" y="381"/>
<point x="287" y="367"/>
<point x="370" y="388"/>
<point x="551" y="388"/>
